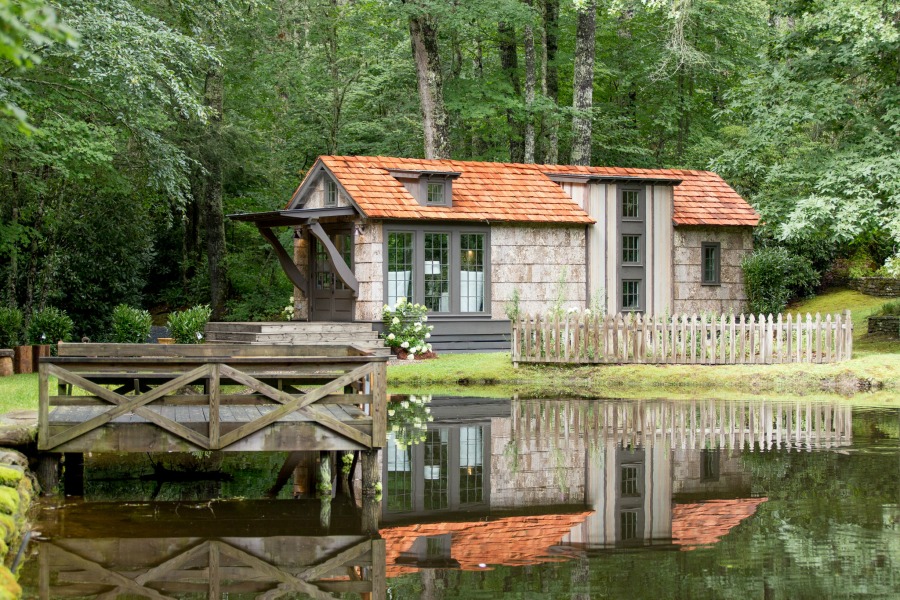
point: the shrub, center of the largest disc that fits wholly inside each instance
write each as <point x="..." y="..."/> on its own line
<point x="774" y="276"/>
<point x="405" y="328"/>
<point x="889" y="309"/>
<point x="10" y="327"/>
<point x="50" y="326"/>
<point x="891" y="267"/>
<point x="187" y="326"/>
<point x="130" y="325"/>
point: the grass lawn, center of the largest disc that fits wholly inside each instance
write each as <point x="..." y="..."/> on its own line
<point x="19" y="392"/>
<point x="875" y="366"/>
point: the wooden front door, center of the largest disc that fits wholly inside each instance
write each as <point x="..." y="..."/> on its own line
<point x="331" y="299"/>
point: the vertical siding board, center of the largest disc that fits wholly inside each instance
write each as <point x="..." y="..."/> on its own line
<point x="612" y="283"/>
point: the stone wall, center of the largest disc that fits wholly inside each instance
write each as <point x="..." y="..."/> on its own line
<point x="693" y="297"/>
<point x="368" y="268"/>
<point x="544" y="475"/>
<point x="542" y="262"/>
<point x="886" y="287"/>
<point x="887" y="325"/>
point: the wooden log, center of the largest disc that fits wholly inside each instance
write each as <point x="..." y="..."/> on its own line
<point x="371" y="477"/>
<point x="48" y="472"/>
<point x="22" y="362"/>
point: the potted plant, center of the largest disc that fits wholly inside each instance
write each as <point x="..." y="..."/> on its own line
<point x="188" y="326"/>
<point x="47" y="328"/>
<point x="10" y="331"/>
<point x="406" y="330"/>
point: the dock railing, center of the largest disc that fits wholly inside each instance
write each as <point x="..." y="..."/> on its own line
<point x="332" y="397"/>
<point x="631" y="338"/>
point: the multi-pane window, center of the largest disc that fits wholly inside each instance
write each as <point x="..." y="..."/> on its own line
<point x="437" y="454"/>
<point x="631" y="294"/>
<point x="628" y="525"/>
<point x="631" y="249"/>
<point x="631" y="204"/>
<point x="709" y="463"/>
<point x="399" y="477"/>
<point x="435" y="193"/>
<point x="711" y="263"/>
<point x="471" y="465"/>
<point x="471" y="272"/>
<point x="630" y="481"/>
<point x="331" y="193"/>
<point x="400" y="267"/>
<point x="437" y="272"/>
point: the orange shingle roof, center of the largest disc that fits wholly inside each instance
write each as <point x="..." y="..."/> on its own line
<point x="511" y="541"/>
<point x="705" y="523"/>
<point x="523" y="192"/>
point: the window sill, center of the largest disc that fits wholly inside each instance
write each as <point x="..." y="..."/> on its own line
<point x="719" y="284"/>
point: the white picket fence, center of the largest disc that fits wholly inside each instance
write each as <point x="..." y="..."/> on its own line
<point x="712" y="340"/>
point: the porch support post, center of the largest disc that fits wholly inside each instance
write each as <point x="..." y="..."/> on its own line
<point x="335" y="260"/>
<point x="285" y="260"/>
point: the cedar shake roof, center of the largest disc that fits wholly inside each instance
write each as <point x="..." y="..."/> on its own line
<point x="524" y="193"/>
<point x="510" y="541"/>
<point x="705" y="523"/>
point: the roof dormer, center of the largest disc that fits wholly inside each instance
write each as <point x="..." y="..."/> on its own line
<point x="429" y="188"/>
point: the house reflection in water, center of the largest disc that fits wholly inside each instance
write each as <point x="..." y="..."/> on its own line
<point x="512" y="483"/>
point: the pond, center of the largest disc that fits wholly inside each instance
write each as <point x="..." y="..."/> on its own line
<point x="514" y="498"/>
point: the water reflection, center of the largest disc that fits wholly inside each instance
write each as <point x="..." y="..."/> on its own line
<point x="535" y="497"/>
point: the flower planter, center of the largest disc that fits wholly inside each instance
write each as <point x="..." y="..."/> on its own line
<point x="37" y="351"/>
<point x="22" y="359"/>
<point x="165" y="341"/>
<point x="6" y="362"/>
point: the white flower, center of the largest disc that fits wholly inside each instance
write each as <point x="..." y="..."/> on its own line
<point x="427" y="335"/>
<point x="385" y="307"/>
<point x="587" y="311"/>
<point x="288" y="308"/>
<point x="410" y="356"/>
<point x="395" y="428"/>
<point x="574" y="309"/>
<point x="199" y="335"/>
<point x="417" y="326"/>
<point x="291" y="299"/>
<point x="404" y="404"/>
<point x="404" y="345"/>
<point x="425" y="318"/>
<point x="391" y="412"/>
<point x="391" y="336"/>
<point x="401" y="300"/>
<point x="428" y="346"/>
<point x="430" y="418"/>
<point x="395" y="321"/>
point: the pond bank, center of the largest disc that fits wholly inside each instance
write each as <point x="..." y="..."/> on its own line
<point x="875" y="376"/>
<point x="16" y="492"/>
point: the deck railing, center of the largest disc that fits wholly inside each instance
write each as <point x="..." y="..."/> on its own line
<point x="719" y="339"/>
<point x="210" y="397"/>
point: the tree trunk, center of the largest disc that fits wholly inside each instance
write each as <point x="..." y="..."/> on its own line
<point x="215" y="217"/>
<point x="583" y="84"/>
<point x="423" y="36"/>
<point x="530" y="82"/>
<point x="550" y="82"/>
<point x="509" y="62"/>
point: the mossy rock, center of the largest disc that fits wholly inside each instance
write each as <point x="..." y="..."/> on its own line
<point x="8" y="529"/>
<point x="9" y="587"/>
<point x="10" y="476"/>
<point x="9" y="500"/>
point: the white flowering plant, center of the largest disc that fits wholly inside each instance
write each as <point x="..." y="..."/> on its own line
<point x="287" y="312"/>
<point x="406" y="329"/>
<point x="408" y="418"/>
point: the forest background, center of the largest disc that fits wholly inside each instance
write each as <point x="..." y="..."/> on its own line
<point x="130" y="128"/>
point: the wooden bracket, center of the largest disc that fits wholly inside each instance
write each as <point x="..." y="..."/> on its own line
<point x="287" y="263"/>
<point x="335" y="260"/>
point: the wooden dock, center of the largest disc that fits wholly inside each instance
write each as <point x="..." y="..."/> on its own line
<point x="230" y="397"/>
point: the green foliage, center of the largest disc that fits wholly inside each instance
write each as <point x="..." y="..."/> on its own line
<point x="513" y="306"/>
<point x="774" y="276"/>
<point x="188" y="326"/>
<point x="130" y="325"/>
<point x="405" y="327"/>
<point x="10" y="327"/>
<point x="50" y="326"/>
<point x="889" y="309"/>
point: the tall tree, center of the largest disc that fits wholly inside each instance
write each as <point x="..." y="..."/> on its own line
<point x="423" y="36"/>
<point x="583" y="84"/>
<point x="550" y="79"/>
<point x="530" y="81"/>
<point x="212" y="193"/>
<point x="509" y="63"/>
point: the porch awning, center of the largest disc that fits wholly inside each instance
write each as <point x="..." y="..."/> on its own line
<point x="308" y="218"/>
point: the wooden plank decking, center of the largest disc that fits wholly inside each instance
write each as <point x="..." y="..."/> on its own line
<point x="138" y="398"/>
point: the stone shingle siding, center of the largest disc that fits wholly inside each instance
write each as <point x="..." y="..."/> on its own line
<point x="543" y="262"/>
<point x="692" y="297"/>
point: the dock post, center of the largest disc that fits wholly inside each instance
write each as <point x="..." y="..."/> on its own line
<point x="73" y="474"/>
<point x="371" y="481"/>
<point x="324" y="479"/>
<point x="371" y="513"/>
<point x="48" y="472"/>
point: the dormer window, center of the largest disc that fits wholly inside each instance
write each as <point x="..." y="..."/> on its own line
<point x="437" y="193"/>
<point x="429" y="188"/>
<point x="331" y="193"/>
